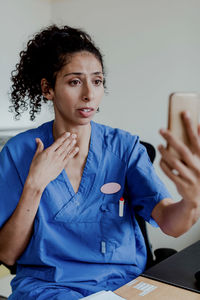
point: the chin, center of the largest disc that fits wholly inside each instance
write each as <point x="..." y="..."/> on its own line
<point x="83" y="122"/>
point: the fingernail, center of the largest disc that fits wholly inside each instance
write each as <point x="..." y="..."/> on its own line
<point x="73" y="142"/>
<point x="74" y="135"/>
<point x="187" y="114"/>
<point x="77" y="149"/>
<point x="162" y="130"/>
<point x="67" y="134"/>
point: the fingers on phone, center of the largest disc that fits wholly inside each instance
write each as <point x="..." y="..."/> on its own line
<point x="186" y="167"/>
<point x="192" y="135"/>
<point x="169" y="172"/>
<point x="175" y="166"/>
<point x="176" y="144"/>
<point x="184" y="152"/>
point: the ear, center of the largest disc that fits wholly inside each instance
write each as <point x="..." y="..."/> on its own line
<point x="47" y="92"/>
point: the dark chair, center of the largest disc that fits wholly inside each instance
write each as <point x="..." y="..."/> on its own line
<point x="160" y="253"/>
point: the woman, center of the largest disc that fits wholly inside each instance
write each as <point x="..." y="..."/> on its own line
<point x="60" y="184"/>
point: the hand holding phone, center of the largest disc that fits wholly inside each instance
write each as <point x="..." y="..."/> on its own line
<point x="178" y="103"/>
<point x="182" y="163"/>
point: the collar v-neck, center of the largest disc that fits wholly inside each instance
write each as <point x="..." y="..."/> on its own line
<point x="90" y="168"/>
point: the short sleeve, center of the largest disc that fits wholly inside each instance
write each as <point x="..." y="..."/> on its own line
<point x="10" y="185"/>
<point x="144" y="188"/>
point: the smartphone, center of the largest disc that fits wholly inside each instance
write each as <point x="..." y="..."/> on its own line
<point x="179" y="102"/>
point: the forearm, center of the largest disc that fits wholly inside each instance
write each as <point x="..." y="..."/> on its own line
<point x="16" y="232"/>
<point x="45" y="167"/>
<point x="176" y="218"/>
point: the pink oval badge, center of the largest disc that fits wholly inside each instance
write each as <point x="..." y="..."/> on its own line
<point x="110" y="188"/>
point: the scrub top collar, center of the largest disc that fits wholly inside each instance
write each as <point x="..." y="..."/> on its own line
<point x="92" y="162"/>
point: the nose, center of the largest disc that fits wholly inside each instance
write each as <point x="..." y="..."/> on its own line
<point x="88" y="93"/>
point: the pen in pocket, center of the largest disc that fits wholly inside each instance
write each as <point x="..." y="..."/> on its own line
<point x="121" y="207"/>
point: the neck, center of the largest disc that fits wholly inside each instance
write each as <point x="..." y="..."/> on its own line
<point x="83" y="133"/>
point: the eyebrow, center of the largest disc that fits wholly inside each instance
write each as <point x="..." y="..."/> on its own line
<point x="79" y="73"/>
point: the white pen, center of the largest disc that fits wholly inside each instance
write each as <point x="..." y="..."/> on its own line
<point x="121" y="207"/>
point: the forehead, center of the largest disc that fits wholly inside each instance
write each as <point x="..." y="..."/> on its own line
<point x="84" y="62"/>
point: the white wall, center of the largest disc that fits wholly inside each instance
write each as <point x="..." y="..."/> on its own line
<point x="151" y="48"/>
<point x="19" y="19"/>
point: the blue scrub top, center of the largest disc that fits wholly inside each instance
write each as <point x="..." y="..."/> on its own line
<point x="79" y="241"/>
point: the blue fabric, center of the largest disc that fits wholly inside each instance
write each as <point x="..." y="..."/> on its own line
<point x="64" y="255"/>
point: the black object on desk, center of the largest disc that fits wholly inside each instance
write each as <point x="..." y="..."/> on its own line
<point x="179" y="269"/>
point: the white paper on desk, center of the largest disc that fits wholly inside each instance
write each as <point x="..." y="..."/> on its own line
<point x="104" y="295"/>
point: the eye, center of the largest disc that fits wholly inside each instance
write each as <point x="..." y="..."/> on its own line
<point x="74" y="82"/>
<point x="98" y="82"/>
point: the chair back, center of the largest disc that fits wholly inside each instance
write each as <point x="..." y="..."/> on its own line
<point x="142" y="223"/>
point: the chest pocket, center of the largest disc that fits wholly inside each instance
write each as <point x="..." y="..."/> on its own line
<point x="110" y="210"/>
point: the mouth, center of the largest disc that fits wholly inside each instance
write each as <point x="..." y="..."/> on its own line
<point x="86" y="109"/>
<point x="86" y="112"/>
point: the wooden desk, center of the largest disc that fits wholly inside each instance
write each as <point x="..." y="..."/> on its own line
<point x="143" y="288"/>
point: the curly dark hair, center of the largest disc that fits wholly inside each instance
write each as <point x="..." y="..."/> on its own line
<point x="44" y="57"/>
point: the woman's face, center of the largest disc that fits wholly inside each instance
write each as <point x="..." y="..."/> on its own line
<point x="78" y="89"/>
